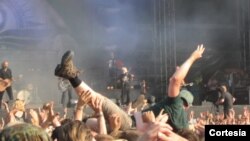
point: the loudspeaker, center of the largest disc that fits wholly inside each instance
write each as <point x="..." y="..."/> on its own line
<point x="242" y="96"/>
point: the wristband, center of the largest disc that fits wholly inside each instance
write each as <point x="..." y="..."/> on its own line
<point x="80" y="108"/>
<point x="99" y="115"/>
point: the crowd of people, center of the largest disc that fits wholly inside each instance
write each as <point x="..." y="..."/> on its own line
<point x="141" y="120"/>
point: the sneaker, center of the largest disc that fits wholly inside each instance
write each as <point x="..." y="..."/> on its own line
<point x="66" y="69"/>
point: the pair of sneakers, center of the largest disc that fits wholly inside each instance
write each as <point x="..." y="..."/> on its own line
<point x="66" y="69"/>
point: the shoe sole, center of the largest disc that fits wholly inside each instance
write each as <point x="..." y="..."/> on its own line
<point x="58" y="70"/>
<point x="67" y="56"/>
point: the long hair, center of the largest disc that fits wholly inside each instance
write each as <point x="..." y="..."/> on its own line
<point x="74" y="131"/>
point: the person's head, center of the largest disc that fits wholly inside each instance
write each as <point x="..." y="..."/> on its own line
<point x="18" y="105"/>
<point x="24" y="132"/>
<point x="5" y="64"/>
<point x="151" y="100"/>
<point x="139" y="101"/>
<point x="74" y="131"/>
<point x="223" y="88"/>
<point x="187" y="98"/>
<point x="45" y="110"/>
<point x="188" y="134"/>
<point x="124" y="70"/>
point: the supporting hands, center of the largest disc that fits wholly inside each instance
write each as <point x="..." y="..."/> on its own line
<point x="130" y="110"/>
<point x="160" y="132"/>
<point x="84" y="98"/>
<point x="162" y="118"/>
<point x="149" y="118"/>
<point x="97" y="105"/>
<point x="156" y="129"/>
<point x="115" y="122"/>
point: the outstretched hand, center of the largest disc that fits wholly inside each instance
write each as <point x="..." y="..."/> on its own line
<point x="148" y="117"/>
<point x="34" y="117"/>
<point x="97" y="105"/>
<point x="115" y="122"/>
<point x="198" y="52"/>
<point x="84" y="98"/>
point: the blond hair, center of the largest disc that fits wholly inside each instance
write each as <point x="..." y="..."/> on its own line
<point x="19" y="105"/>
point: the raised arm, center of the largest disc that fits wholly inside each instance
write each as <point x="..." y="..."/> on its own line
<point x="83" y="99"/>
<point x="181" y="72"/>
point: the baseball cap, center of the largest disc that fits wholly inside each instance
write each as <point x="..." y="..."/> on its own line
<point x="187" y="96"/>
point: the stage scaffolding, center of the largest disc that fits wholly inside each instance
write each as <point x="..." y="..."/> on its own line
<point x="164" y="51"/>
<point x="244" y="20"/>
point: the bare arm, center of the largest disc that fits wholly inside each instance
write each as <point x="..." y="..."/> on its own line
<point x="83" y="99"/>
<point x="234" y="99"/>
<point x="220" y="101"/>
<point x="97" y="107"/>
<point x="181" y="72"/>
<point x="139" y="121"/>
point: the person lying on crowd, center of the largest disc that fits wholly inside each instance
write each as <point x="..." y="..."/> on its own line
<point x="178" y="100"/>
<point x="66" y="69"/>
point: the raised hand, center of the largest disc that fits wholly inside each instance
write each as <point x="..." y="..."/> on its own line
<point x="84" y="98"/>
<point x="162" y="118"/>
<point x="97" y="105"/>
<point x="42" y="114"/>
<point x="114" y="122"/>
<point x="148" y="117"/>
<point x="34" y="117"/>
<point x="159" y="132"/>
<point x="11" y="117"/>
<point x="198" y="52"/>
<point x="51" y="111"/>
<point x="129" y="110"/>
<point x="56" y="120"/>
<point x="6" y="106"/>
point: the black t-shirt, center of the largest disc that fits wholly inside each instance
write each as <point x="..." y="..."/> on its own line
<point x="125" y="80"/>
<point x="5" y="74"/>
<point x="174" y="108"/>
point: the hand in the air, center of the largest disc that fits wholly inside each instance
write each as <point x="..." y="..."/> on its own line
<point x="84" y="98"/>
<point x="198" y="52"/>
